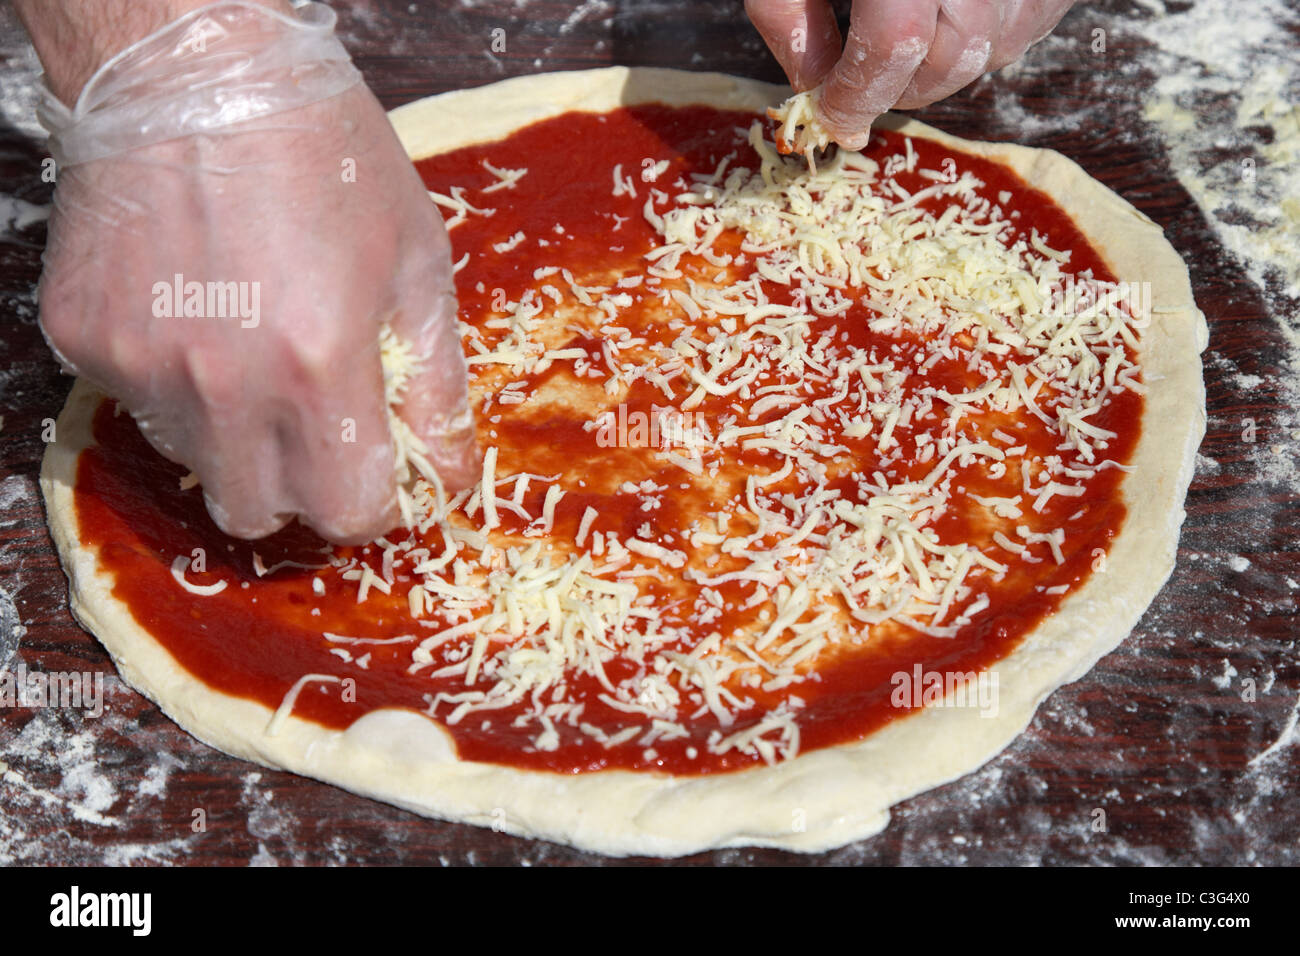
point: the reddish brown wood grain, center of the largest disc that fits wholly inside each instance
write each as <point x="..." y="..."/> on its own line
<point x="1148" y="736"/>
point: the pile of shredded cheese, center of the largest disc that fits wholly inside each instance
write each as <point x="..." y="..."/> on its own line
<point x="750" y="266"/>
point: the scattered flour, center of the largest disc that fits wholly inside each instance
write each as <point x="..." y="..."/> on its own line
<point x="58" y="799"/>
<point x="1242" y="57"/>
<point x="17" y="214"/>
<point x="583" y="11"/>
<point x="20" y="72"/>
<point x="274" y="827"/>
<point x="1237" y="156"/>
<point x="1286" y="739"/>
<point x="1224" y="680"/>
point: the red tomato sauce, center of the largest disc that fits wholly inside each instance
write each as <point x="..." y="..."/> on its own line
<point x="259" y="635"/>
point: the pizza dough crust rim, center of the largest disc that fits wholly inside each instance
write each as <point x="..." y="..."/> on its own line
<point x="819" y="800"/>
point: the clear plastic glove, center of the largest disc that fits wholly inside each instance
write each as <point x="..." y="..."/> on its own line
<point x="900" y="54"/>
<point x="237" y="157"/>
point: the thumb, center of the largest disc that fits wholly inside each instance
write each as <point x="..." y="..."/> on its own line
<point x="435" y="400"/>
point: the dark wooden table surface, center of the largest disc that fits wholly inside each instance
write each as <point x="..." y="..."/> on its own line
<point x="1164" y="735"/>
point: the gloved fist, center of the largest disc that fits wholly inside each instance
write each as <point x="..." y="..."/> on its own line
<point x="900" y="54"/>
<point x="234" y="221"/>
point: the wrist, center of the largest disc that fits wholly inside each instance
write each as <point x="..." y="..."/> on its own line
<point x="74" y="38"/>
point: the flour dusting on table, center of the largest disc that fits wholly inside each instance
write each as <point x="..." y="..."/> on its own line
<point x="58" y="799"/>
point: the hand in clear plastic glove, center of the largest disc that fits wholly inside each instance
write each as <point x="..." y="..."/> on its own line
<point x="900" y="54"/>
<point x="291" y="221"/>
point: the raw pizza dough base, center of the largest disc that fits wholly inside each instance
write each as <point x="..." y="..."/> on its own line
<point x="819" y="800"/>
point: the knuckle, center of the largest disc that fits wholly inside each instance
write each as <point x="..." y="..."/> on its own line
<point x="356" y="527"/>
<point x="322" y="357"/>
<point x="217" y="380"/>
<point x="245" y="521"/>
